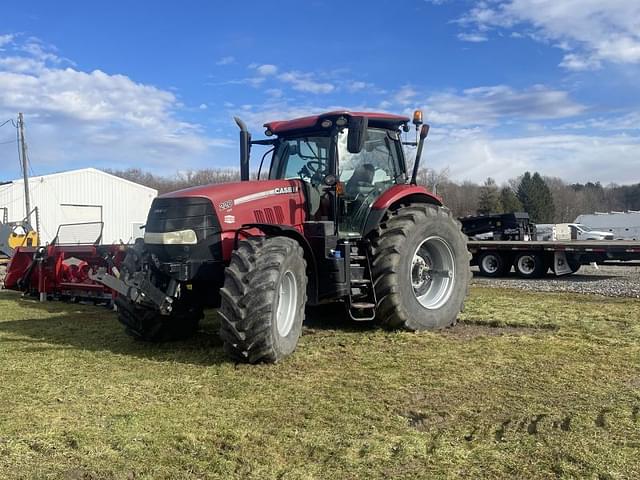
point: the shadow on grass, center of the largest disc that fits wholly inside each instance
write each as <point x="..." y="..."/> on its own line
<point x="95" y="328"/>
<point x="333" y="316"/>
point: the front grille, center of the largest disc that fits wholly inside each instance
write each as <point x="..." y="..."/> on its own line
<point x="174" y="214"/>
<point x="186" y="261"/>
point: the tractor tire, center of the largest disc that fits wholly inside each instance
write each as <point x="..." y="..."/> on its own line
<point x="530" y="265"/>
<point x="150" y="326"/>
<point x="409" y="243"/>
<point x="492" y="264"/>
<point x="263" y="299"/>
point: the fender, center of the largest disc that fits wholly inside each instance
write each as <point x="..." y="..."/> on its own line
<point x="392" y="198"/>
<point x="293" y="233"/>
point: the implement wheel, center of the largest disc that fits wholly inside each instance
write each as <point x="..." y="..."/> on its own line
<point x="420" y="268"/>
<point x="263" y="299"/>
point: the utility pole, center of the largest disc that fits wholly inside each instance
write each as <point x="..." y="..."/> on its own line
<point x="25" y="167"/>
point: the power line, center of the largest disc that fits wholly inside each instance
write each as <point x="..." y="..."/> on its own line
<point x="7" y="121"/>
<point x="8" y="142"/>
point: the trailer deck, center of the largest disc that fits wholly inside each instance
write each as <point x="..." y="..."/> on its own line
<point x="534" y="258"/>
<point x="613" y="246"/>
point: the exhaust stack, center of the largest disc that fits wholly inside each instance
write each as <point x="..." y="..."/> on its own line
<point x="245" y="149"/>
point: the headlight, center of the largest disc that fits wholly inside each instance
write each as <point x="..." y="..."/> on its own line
<point x="182" y="237"/>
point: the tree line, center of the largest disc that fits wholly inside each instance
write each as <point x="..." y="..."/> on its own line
<point x="546" y="199"/>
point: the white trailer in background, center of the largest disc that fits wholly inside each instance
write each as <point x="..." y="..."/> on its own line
<point x="623" y="225"/>
<point x="86" y="195"/>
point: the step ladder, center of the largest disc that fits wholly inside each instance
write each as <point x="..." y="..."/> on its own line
<point x="361" y="302"/>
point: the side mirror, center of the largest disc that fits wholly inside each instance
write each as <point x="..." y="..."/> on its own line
<point x="424" y="131"/>
<point x="357" y="134"/>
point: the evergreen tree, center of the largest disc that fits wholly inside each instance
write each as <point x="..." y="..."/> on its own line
<point x="536" y="199"/>
<point x="509" y="201"/>
<point x="489" y="199"/>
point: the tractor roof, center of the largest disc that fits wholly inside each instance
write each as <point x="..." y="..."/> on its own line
<point x="380" y="120"/>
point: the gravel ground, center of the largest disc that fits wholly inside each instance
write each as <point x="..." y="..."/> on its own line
<point x="611" y="281"/>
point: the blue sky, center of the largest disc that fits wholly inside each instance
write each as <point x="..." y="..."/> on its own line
<point x="507" y="85"/>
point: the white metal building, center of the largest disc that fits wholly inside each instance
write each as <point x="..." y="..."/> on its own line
<point x="86" y="195"/>
<point x="623" y="225"/>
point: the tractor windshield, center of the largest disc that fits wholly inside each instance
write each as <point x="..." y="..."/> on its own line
<point x="304" y="158"/>
<point x="366" y="175"/>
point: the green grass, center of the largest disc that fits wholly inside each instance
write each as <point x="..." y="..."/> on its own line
<point x="529" y="386"/>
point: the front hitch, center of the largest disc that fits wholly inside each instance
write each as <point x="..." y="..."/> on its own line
<point x="138" y="289"/>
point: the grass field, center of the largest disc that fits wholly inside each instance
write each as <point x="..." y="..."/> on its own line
<point x="530" y="385"/>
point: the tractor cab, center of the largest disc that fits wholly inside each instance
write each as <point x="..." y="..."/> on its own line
<point x="345" y="161"/>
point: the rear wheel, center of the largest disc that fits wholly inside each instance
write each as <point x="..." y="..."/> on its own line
<point x="263" y="299"/>
<point x="149" y="325"/>
<point x="420" y="268"/>
<point x="492" y="264"/>
<point x="530" y="265"/>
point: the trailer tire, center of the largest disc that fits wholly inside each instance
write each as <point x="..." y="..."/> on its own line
<point x="409" y="243"/>
<point x="150" y="326"/>
<point x="492" y="264"/>
<point x="263" y="299"/>
<point x="530" y="265"/>
<point x="573" y="263"/>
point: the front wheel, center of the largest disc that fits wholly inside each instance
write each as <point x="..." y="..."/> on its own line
<point x="149" y="325"/>
<point x="420" y="267"/>
<point x="263" y="299"/>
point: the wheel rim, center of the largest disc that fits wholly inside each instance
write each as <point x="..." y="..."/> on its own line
<point x="287" y="302"/>
<point x="490" y="264"/>
<point x="433" y="272"/>
<point x="526" y="264"/>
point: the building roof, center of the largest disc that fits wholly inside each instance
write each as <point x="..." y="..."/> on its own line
<point x="81" y="170"/>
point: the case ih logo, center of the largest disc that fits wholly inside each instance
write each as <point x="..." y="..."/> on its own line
<point x="267" y="193"/>
<point x="227" y="204"/>
<point x="281" y="190"/>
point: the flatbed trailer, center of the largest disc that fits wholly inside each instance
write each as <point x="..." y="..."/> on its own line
<point x="533" y="259"/>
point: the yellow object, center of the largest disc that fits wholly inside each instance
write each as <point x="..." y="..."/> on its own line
<point x="417" y="117"/>
<point x="26" y="239"/>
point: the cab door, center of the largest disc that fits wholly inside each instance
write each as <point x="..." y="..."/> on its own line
<point x="366" y="175"/>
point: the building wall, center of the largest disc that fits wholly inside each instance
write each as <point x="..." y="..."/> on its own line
<point x="123" y="205"/>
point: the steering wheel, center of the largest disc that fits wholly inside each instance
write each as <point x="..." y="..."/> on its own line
<point x="314" y="166"/>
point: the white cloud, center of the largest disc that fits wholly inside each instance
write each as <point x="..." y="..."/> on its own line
<point x="406" y="95"/>
<point x="94" y="118"/>
<point x="590" y="31"/>
<point x="473" y="37"/>
<point x="358" y="86"/>
<point x="203" y="106"/>
<point x="5" y="39"/>
<point x="489" y="106"/>
<point x="266" y="69"/>
<point x="578" y="158"/>
<point x="305" y="82"/>
<point x="274" y="92"/>
<point x="226" y="60"/>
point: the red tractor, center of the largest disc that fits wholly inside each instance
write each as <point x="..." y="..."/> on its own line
<point x="339" y="218"/>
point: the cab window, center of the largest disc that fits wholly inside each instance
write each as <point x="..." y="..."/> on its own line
<point x="303" y="158"/>
<point x="376" y="165"/>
